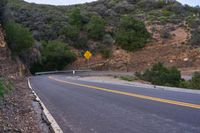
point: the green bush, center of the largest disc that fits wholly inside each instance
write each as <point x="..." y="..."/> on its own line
<point x="107" y="39"/>
<point x="106" y="52"/>
<point x="1" y="89"/>
<point x="151" y="4"/>
<point x="75" y="18"/>
<point x="96" y="28"/>
<point x="195" y="39"/>
<point x="128" y="78"/>
<point x="81" y="42"/>
<point x="18" y="37"/>
<point x="131" y="34"/>
<point x="161" y="75"/>
<point x="195" y="82"/>
<point x="5" y="86"/>
<point x="37" y="67"/>
<point x="71" y="32"/>
<point x="56" y="55"/>
<point x="2" y="8"/>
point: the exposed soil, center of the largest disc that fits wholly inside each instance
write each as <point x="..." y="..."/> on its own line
<point x="173" y="51"/>
<point x="16" y="110"/>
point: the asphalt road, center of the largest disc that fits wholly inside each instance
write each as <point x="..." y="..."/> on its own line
<point x="89" y="107"/>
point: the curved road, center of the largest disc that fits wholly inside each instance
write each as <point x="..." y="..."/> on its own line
<point x="89" y="107"/>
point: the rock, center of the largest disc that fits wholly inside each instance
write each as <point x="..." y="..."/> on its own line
<point x="185" y="59"/>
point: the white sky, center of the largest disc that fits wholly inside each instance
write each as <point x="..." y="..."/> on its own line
<point x="69" y="2"/>
<point x="59" y="2"/>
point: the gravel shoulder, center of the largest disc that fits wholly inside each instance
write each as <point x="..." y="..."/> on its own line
<point x="17" y="111"/>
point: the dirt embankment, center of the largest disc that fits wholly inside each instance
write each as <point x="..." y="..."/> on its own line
<point x="172" y="51"/>
<point x="16" y="110"/>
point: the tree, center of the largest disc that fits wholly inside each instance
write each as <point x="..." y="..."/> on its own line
<point x="96" y="28"/>
<point x="2" y="7"/>
<point x="56" y="55"/>
<point x="131" y="34"/>
<point x="195" y="82"/>
<point x="19" y="38"/>
<point x="161" y="75"/>
<point x="71" y="32"/>
<point x="75" y="18"/>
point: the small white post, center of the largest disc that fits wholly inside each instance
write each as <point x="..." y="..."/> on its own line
<point x="74" y="72"/>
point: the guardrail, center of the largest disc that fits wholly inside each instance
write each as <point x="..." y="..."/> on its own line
<point x="62" y="72"/>
<point x="88" y="73"/>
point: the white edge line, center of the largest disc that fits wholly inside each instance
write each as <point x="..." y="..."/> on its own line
<point x="54" y="125"/>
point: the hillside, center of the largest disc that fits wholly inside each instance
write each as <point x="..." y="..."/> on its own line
<point x="122" y="34"/>
<point x="16" y="109"/>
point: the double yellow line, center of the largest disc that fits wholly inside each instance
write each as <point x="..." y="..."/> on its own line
<point x="184" y="104"/>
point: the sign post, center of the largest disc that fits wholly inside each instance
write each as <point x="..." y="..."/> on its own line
<point x="88" y="55"/>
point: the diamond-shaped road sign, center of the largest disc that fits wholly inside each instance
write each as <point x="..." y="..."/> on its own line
<point x="87" y="55"/>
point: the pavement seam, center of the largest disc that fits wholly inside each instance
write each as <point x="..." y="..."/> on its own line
<point x="172" y="102"/>
<point x="54" y="125"/>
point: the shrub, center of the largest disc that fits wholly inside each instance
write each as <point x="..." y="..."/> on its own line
<point x="160" y="75"/>
<point x="37" y="67"/>
<point x="131" y="34"/>
<point x="128" y="78"/>
<point x="1" y="88"/>
<point x="195" y="82"/>
<point x="106" y="52"/>
<point x="56" y="55"/>
<point x="96" y="28"/>
<point x="75" y="17"/>
<point x="2" y="7"/>
<point x="5" y="86"/>
<point x="177" y="8"/>
<point x="18" y="37"/>
<point x="166" y="13"/>
<point x="195" y="39"/>
<point x="151" y="4"/>
<point x="165" y="34"/>
<point x="184" y="84"/>
<point x="71" y="32"/>
<point x="81" y="42"/>
<point x="107" y="39"/>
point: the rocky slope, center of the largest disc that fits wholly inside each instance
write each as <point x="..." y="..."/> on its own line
<point x="171" y="52"/>
<point x="16" y="110"/>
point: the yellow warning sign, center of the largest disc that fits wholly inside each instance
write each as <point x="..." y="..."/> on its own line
<point x="87" y="55"/>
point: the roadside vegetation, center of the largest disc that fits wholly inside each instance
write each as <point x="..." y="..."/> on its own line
<point x="1" y="89"/>
<point x="5" y="86"/>
<point x="55" y="56"/>
<point x="18" y="37"/>
<point x="160" y="75"/>
<point x="194" y="83"/>
<point x="131" y="34"/>
<point x="128" y="78"/>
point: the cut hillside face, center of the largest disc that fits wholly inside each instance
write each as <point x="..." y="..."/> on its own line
<point x="8" y="67"/>
<point x="172" y="51"/>
<point x="16" y="110"/>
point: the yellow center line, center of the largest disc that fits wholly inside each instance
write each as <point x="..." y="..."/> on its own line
<point x="184" y="104"/>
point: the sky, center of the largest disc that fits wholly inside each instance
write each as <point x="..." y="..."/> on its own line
<point x="70" y="2"/>
<point x="59" y="2"/>
<point x="190" y="2"/>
